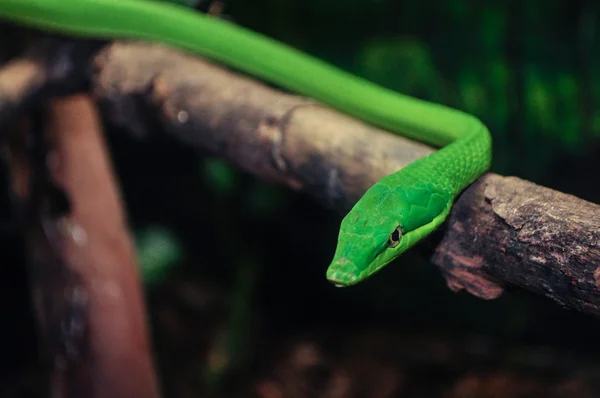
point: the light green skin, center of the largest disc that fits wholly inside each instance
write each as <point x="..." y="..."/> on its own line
<point x="418" y="198"/>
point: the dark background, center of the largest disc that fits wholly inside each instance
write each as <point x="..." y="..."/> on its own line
<point x="238" y="299"/>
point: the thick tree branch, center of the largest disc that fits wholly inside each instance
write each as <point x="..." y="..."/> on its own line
<point x="502" y="231"/>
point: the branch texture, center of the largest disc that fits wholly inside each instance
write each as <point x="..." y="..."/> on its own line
<point x="503" y="231"/>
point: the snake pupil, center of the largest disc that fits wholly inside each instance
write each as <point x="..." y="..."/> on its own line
<point x="394" y="239"/>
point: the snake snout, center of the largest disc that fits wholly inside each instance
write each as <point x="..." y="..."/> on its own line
<point x="341" y="274"/>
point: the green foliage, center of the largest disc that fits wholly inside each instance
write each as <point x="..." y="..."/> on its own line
<point x="158" y="251"/>
<point x="381" y="60"/>
<point x="222" y="178"/>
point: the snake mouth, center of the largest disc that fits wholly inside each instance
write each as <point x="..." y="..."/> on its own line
<point x="344" y="272"/>
<point x="338" y="273"/>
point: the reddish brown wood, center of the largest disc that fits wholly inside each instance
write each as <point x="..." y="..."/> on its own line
<point x="84" y="274"/>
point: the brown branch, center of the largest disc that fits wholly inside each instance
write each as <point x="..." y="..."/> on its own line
<point x="48" y="68"/>
<point x="84" y="275"/>
<point x="502" y="231"/>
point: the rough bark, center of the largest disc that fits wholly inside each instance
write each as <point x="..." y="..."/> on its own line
<point x="522" y="234"/>
<point x="502" y="231"/>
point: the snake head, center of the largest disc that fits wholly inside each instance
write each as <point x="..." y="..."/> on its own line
<point x="382" y="225"/>
<point x="371" y="236"/>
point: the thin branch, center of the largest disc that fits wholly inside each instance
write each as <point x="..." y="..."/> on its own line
<point x="502" y="231"/>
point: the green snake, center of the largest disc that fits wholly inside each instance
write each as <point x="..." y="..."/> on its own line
<point x="394" y="214"/>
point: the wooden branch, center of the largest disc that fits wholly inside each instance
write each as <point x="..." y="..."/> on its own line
<point x="85" y="281"/>
<point x="502" y="231"/>
<point x="98" y="247"/>
<point x="50" y="67"/>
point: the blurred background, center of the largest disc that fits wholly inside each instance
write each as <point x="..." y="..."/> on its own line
<point x="238" y="301"/>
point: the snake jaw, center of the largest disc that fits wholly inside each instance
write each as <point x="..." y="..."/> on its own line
<point x="345" y="267"/>
<point x="411" y="238"/>
<point x="350" y="267"/>
<point x="340" y="277"/>
<point x="344" y="273"/>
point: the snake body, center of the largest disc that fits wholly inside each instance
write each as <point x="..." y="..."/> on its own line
<point x="396" y="212"/>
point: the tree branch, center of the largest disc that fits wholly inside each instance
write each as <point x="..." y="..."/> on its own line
<point x="503" y="231"/>
<point x="84" y="279"/>
<point x="93" y="242"/>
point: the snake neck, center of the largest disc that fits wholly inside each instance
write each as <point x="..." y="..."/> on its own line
<point x="457" y="165"/>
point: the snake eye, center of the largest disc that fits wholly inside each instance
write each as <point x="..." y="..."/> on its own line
<point x="395" y="237"/>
